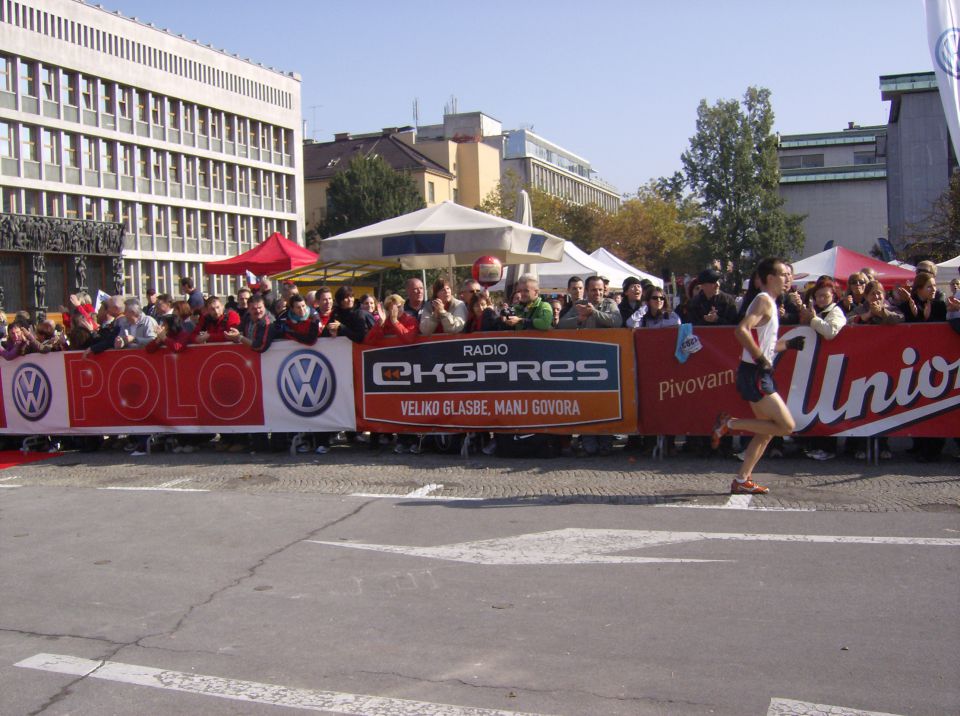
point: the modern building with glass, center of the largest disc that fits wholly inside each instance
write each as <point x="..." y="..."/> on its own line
<point x="108" y="123"/>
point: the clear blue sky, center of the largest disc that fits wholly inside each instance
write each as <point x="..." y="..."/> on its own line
<point x="615" y="81"/>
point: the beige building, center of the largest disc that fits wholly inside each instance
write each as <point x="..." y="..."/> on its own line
<point x="197" y="152"/>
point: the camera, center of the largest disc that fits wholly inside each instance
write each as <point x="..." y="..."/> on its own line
<point x="507" y="312"/>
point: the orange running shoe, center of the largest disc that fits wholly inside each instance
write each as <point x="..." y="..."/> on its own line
<point x="720" y="429"/>
<point x="747" y="488"/>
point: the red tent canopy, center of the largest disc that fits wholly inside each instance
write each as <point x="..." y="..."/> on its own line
<point x="840" y="263"/>
<point x="274" y="255"/>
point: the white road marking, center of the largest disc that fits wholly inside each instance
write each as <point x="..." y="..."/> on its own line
<point x="174" y="483"/>
<point x="7" y="479"/>
<point x="9" y="487"/>
<point x="439" y="498"/>
<point x="788" y="707"/>
<point x="738" y="502"/>
<point x="596" y="546"/>
<point x="425" y="490"/>
<point x="158" y="488"/>
<point x="251" y="691"/>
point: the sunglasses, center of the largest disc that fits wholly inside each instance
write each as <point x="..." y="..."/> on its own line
<point x="859" y="282"/>
<point x="656" y="298"/>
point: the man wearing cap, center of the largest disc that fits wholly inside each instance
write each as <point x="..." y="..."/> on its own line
<point x="712" y="307"/>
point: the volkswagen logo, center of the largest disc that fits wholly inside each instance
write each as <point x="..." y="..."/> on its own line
<point x="32" y="392"/>
<point x="306" y="383"/>
<point x="948" y="51"/>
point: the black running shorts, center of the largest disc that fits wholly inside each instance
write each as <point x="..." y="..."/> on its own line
<point x="753" y="382"/>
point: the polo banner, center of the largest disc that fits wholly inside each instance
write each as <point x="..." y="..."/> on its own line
<point x="899" y="380"/>
<point x="547" y="382"/>
<point x="206" y="388"/>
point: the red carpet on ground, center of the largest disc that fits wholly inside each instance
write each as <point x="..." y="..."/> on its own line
<point x="12" y="458"/>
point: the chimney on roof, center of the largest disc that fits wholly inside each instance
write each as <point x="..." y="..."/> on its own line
<point x="341" y="137"/>
<point x="851" y="125"/>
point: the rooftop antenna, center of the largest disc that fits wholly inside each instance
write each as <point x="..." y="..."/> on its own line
<point x="416" y="112"/>
<point x="451" y="106"/>
<point x="313" y="121"/>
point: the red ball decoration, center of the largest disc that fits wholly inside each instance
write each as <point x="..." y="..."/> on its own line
<point x="487" y="270"/>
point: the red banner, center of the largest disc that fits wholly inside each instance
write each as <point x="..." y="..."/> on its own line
<point x="3" y="414"/>
<point x="206" y="385"/>
<point x="869" y="380"/>
<point x="543" y="382"/>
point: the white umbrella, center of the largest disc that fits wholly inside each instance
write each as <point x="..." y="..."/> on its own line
<point x="605" y="257"/>
<point x="950" y="263"/>
<point x="443" y="236"/>
<point x="576" y="262"/>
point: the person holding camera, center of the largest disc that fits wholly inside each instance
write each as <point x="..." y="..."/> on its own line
<point x="532" y="312"/>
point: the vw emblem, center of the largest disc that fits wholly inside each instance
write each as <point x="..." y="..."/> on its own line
<point x="306" y="383"/>
<point x="948" y="51"/>
<point x="32" y="392"/>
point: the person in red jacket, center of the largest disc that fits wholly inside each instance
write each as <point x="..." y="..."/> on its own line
<point x="396" y="324"/>
<point x="299" y="322"/>
<point x="214" y="322"/>
<point x="171" y="334"/>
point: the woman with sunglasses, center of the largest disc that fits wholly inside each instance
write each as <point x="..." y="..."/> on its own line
<point x="855" y="294"/>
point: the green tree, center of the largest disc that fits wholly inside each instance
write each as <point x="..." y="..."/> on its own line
<point x="366" y="192"/>
<point x="733" y="169"/>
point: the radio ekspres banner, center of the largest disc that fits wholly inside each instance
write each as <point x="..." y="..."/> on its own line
<point x="544" y="382"/>
<point x="869" y="380"/>
<point x="206" y="388"/>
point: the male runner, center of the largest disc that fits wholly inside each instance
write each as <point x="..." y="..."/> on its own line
<point x="755" y="376"/>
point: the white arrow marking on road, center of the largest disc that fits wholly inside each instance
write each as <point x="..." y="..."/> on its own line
<point x="787" y="707"/>
<point x="251" y="691"/>
<point x="586" y="546"/>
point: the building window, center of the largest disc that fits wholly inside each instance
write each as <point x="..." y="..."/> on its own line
<point x="156" y="113"/>
<point x="173" y="114"/>
<point x="68" y="88"/>
<point x="72" y="206"/>
<point x="108" y="159"/>
<point x="215" y="174"/>
<point x="143" y="162"/>
<point x="51" y="155"/>
<point x="203" y="176"/>
<point x="91" y="208"/>
<point x="228" y="177"/>
<point x="202" y="122"/>
<point x="157" y="166"/>
<point x="241" y="180"/>
<point x="175" y="223"/>
<point x="47" y="80"/>
<point x="70" y="150"/>
<point x="189" y="171"/>
<point x="128" y="159"/>
<point x="228" y="128"/>
<point x="141" y="106"/>
<point x="159" y="221"/>
<point x="28" y="82"/>
<point x="7" y="143"/>
<point x="188" y="118"/>
<point x="190" y="224"/>
<point x="865" y="157"/>
<point x="89" y="148"/>
<point x="173" y="168"/>
<point x="86" y="91"/>
<point x="28" y="143"/>
<point x="143" y="220"/>
<point x="106" y="97"/>
<point x="6" y="74"/>
<point x="431" y="193"/>
<point x="215" y="125"/>
<point x="53" y="204"/>
<point x="801" y="161"/>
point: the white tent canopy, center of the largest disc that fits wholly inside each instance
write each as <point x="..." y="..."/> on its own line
<point x="442" y="236"/>
<point x="950" y="264"/>
<point x="616" y="262"/>
<point x="576" y="262"/>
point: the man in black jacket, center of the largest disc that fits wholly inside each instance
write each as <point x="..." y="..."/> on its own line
<point x="712" y="307"/>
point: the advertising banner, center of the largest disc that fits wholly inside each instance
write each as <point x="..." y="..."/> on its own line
<point x="869" y="380"/>
<point x="206" y="388"/>
<point x="542" y="382"/>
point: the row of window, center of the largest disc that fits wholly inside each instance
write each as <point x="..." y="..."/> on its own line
<point x="557" y="184"/>
<point x="182" y="119"/>
<point x="147" y="220"/>
<point x="54" y="148"/>
<point x="814" y="161"/>
<point x="26" y="17"/>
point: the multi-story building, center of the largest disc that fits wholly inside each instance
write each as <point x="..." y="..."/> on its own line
<point x="549" y="167"/>
<point x="193" y="152"/>
<point x="868" y="183"/>
<point x="837" y="180"/>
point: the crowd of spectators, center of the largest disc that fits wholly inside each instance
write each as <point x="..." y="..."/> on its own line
<point x="258" y="315"/>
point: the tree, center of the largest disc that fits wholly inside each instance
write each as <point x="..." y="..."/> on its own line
<point x="732" y="167"/>
<point x="937" y="236"/>
<point x="366" y="192"/>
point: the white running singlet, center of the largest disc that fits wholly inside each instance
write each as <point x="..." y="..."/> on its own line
<point x="766" y="333"/>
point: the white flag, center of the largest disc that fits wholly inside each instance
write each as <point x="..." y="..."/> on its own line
<point x="101" y="297"/>
<point x="943" y="36"/>
<point x="251" y="278"/>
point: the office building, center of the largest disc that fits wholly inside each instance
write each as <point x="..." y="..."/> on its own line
<point x="111" y="127"/>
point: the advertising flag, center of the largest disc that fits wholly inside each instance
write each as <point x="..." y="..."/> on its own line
<point x="943" y="36"/>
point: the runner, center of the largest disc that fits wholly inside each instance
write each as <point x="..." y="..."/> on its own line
<point x="755" y="376"/>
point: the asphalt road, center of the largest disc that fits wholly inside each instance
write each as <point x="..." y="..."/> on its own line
<point x="268" y="595"/>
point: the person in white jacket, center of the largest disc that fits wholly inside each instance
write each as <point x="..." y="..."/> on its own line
<point x="444" y="313"/>
<point x="824" y="315"/>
